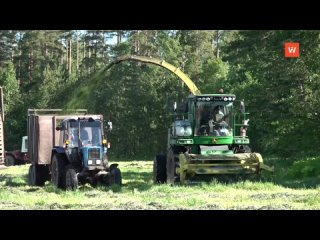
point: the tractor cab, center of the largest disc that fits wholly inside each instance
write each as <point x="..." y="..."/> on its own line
<point x="213" y="115"/>
<point x="83" y="141"/>
<point x="85" y="132"/>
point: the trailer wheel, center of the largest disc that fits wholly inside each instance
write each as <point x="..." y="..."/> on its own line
<point x="159" y="169"/>
<point x="36" y="175"/>
<point x="57" y="171"/>
<point x="71" y="178"/>
<point x="31" y="180"/>
<point x="10" y="161"/>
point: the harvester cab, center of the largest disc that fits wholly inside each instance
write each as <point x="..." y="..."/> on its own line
<point x="213" y="117"/>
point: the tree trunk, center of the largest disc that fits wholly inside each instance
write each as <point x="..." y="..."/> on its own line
<point x="218" y="43"/>
<point x="119" y="37"/>
<point x="84" y="50"/>
<point x="70" y="56"/>
<point x="77" y="54"/>
<point x="89" y="56"/>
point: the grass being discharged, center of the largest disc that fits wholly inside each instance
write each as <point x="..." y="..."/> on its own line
<point x="139" y="192"/>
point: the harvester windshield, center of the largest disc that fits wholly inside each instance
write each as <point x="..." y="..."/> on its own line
<point x="213" y="118"/>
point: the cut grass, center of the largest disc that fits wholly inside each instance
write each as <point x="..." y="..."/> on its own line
<point x="139" y="192"/>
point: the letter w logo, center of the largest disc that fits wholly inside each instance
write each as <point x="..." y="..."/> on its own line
<point x="292" y="50"/>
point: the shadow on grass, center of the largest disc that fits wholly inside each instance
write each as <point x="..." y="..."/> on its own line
<point x="13" y="181"/>
<point x="307" y="183"/>
<point x="141" y="181"/>
<point x="32" y="190"/>
<point x="227" y="178"/>
<point x="145" y="176"/>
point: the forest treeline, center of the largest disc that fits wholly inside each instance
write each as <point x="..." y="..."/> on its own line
<point x="44" y="69"/>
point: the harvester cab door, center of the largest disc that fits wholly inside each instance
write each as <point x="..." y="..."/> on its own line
<point x="212" y="117"/>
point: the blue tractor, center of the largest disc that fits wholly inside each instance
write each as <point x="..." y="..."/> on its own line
<point x="78" y="154"/>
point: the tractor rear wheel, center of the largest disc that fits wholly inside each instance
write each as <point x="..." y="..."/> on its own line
<point x="71" y="178"/>
<point x="58" y="171"/>
<point x="159" y="169"/>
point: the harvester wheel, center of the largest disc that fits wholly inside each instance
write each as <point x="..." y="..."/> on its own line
<point x="159" y="168"/>
<point x="183" y="177"/>
<point x="57" y="171"/>
<point x="116" y="175"/>
<point x="171" y="167"/>
<point x="71" y="178"/>
<point x="10" y="161"/>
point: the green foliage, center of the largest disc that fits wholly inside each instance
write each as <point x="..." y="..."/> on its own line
<point x="305" y="168"/>
<point x="64" y="69"/>
<point x="10" y="88"/>
<point x="215" y="73"/>
<point x="12" y="105"/>
<point x="280" y="92"/>
<point x="7" y="46"/>
<point x="49" y="90"/>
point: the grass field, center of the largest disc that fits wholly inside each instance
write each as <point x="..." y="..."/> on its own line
<point x="138" y="192"/>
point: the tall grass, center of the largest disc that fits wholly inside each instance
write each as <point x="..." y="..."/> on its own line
<point x="139" y="192"/>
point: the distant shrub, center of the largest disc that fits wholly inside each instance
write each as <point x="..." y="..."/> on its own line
<point x="308" y="167"/>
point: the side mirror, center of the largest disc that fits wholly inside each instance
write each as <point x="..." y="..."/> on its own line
<point x="242" y="106"/>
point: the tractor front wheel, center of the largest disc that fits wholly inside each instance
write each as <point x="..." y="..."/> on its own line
<point x="116" y="177"/>
<point x="71" y="178"/>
